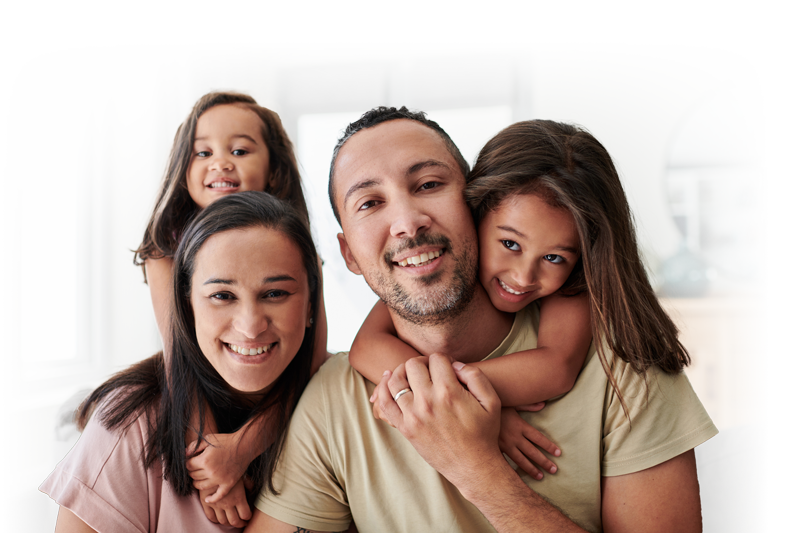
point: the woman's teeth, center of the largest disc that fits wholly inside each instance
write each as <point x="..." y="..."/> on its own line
<point x="509" y="289"/>
<point x="220" y="184"/>
<point x="250" y="351"/>
<point x="420" y="260"/>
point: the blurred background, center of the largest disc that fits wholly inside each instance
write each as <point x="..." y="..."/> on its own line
<point x="694" y="101"/>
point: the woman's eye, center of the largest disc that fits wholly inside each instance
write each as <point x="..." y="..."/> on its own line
<point x="239" y="152"/>
<point x="553" y="258"/>
<point x="429" y="185"/>
<point x="275" y="294"/>
<point x="221" y="296"/>
<point x="511" y="245"/>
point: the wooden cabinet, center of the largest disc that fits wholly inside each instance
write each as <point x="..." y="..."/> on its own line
<point x="727" y="339"/>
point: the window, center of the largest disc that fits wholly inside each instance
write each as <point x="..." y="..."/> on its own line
<point x="53" y="260"/>
<point x="471" y="113"/>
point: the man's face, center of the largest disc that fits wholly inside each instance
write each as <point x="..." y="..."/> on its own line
<point x="405" y="224"/>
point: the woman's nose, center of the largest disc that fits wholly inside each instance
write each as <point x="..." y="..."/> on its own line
<point x="250" y="321"/>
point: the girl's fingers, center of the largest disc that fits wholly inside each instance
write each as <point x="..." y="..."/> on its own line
<point x="244" y="510"/>
<point x="536" y="437"/>
<point x="525" y="464"/>
<point x="535" y="455"/>
<point x="533" y="407"/>
<point x="220" y="493"/>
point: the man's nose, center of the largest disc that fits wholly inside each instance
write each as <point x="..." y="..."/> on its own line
<point x="408" y="219"/>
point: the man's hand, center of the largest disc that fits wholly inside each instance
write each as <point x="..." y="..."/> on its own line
<point x="455" y="429"/>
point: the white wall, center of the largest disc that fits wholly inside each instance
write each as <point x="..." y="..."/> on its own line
<point x="630" y="95"/>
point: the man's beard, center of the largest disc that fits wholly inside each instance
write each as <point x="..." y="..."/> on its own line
<point x="441" y="300"/>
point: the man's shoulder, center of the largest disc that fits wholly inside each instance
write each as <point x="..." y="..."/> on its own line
<point x="336" y="384"/>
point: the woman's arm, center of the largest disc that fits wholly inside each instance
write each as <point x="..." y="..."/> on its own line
<point x="67" y="522"/>
<point x="377" y="348"/>
<point x="550" y="370"/>
<point x="159" y="279"/>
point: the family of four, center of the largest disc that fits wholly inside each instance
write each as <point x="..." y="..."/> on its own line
<point x="500" y="288"/>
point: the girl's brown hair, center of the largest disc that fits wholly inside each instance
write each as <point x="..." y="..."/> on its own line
<point x="175" y="208"/>
<point x="568" y="168"/>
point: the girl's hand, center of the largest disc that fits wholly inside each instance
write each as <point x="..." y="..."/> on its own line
<point x="231" y="510"/>
<point x="519" y="441"/>
<point x="214" y="464"/>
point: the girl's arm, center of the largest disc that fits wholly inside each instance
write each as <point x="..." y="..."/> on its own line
<point x="321" y="334"/>
<point x="159" y="279"/>
<point x="377" y="348"/>
<point x="550" y="370"/>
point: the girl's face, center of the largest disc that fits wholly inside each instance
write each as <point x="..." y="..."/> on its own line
<point x="528" y="248"/>
<point x="251" y="305"/>
<point x="229" y="154"/>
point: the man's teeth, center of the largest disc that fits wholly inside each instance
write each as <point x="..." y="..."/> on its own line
<point x="509" y="289"/>
<point x="420" y="260"/>
<point x="250" y="351"/>
<point x="219" y="184"/>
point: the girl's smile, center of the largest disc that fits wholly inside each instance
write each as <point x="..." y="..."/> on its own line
<point x="528" y="249"/>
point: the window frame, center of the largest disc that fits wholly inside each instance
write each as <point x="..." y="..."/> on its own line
<point x="92" y="235"/>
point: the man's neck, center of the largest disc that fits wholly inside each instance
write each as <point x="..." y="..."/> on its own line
<point x="469" y="337"/>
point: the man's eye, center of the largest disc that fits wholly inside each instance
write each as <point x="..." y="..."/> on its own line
<point x="239" y="152"/>
<point x="366" y="205"/>
<point x="511" y="245"/>
<point x="553" y="258"/>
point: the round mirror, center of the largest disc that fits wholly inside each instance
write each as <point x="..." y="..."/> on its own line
<point x="716" y="178"/>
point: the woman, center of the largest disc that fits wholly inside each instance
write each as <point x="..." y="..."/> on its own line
<point x="246" y="289"/>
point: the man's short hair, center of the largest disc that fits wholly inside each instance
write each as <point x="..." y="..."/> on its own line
<point x="380" y="114"/>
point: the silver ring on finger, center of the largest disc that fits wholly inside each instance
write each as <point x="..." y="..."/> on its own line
<point x="404" y="391"/>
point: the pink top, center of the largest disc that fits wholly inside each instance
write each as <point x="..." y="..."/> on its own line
<point x="103" y="481"/>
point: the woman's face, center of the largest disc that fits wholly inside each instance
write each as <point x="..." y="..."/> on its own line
<point x="251" y="305"/>
<point x="528" y="249"/>
<point x="229" y="154"/>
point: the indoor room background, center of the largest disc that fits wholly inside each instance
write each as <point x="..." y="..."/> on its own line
<point x="691" y="129"/>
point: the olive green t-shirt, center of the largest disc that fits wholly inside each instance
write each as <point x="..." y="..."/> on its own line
<point x="339" y="463"/>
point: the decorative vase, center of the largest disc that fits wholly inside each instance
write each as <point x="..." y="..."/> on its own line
<point x="685" y="274"/>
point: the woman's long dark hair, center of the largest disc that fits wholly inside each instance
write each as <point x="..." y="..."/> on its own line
<point x="168" y="397"/>
<point x="568" y="168"/>
<point x="175" y="208"/>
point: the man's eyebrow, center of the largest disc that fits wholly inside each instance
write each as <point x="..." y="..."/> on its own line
<point x="364" y="184"/>
<point x="413" y="169"/>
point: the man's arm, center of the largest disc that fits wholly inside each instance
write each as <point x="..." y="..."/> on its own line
<point x="264" y="522"/>
<point x="456" y="430"/>
<point x="664" y="498"/>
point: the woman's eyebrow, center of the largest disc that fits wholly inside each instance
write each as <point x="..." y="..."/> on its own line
<point x="282" y="277"/>
<point x="268" y="279"/>
<point x="220" y="281"/>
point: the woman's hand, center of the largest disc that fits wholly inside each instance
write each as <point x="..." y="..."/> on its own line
<point x="519" y="441"/>
<point x="232" y="509"/>
<point x="215" y="464"/>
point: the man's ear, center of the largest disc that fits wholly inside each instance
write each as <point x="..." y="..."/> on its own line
<point x="348" y="255"/>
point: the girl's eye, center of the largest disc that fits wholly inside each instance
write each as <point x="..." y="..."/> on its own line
<point x="511" y="245"/>
<point x="553" y="258"/>
<point x="203" y="153"/>
<point x="239" y="152"/>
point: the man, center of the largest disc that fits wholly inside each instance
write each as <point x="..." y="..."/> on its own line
<point x="396" y="187"/>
